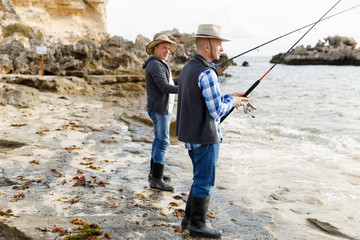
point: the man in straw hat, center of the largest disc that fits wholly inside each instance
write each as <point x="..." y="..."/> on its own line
<point x="200" y="107"/>
<point x="160" y="89"/>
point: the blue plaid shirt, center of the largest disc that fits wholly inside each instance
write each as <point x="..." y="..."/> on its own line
<point x="217" y="104"/>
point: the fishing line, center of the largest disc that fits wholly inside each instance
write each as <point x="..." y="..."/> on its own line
<point x="280" y="59"/>
<point x="284" y="35"/>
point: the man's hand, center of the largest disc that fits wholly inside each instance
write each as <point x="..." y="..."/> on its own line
<point x="239" y="101"/>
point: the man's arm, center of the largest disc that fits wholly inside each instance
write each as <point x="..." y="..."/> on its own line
<point x="158" y="73"/>
<point x="217" y="104"/>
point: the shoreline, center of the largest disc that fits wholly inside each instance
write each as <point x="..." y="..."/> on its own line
<point x="71" y="158"/>
<point x="67" y="137"/>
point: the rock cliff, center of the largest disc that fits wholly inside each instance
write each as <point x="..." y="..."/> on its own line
<point x="85" y="64"/>
<point x="112" y="56"/>
<point x="74" y="34"/>
<point x="68" y="20"/>
<point x="336" y="50"/>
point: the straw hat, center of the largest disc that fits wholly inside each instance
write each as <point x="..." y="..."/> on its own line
<point x="209" y="31"/>
<point x="158" y="40"/>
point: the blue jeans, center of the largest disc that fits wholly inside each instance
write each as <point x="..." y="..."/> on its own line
<point x="162" y="137"/>
<point x="204" y="160"/>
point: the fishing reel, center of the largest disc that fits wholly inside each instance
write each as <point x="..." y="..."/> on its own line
<point x="248" y="108"/>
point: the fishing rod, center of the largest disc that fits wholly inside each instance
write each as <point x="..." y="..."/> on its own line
<point x="284" y="35"/>
<point x="280" y="59"/>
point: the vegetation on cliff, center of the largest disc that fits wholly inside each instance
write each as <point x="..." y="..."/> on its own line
<point x="21" y="29"/>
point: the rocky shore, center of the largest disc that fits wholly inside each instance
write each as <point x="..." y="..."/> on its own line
<point x="75" y="151"/>
<point x="75" y="143"/>
<point x="113" y="56"/>
<point x="336" y="50"/>
<point x="74" y="155"/>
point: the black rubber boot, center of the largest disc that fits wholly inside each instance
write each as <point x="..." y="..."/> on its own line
<point x="165" y="177"/>
<point x="199" y="226"/>
<point x="156" y="181"/>
<point x="185" y="223"/>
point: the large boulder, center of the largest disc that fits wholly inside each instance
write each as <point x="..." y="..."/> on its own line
<point x="22" y="64"/>
<point x="6" y="64"/>
<point x="18" y="95"/>
<point x="334" y="50"/>
<point x="12" y="49"/>
<point x="58" y="84"/>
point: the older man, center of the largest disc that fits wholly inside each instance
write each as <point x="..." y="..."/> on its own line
<point x="160" y="89"/>
<point x="200" y="107"/>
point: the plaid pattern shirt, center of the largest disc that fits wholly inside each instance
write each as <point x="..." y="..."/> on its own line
<point x="218" y="105"/>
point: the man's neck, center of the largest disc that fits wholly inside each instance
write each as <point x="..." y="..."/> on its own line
<point x="205" y="55"/>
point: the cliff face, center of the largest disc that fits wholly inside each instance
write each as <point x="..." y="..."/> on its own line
<point x="74" y="32"/>
<point x="68" y="20"/>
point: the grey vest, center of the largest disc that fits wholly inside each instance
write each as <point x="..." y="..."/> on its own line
<point x="193" y="121"/>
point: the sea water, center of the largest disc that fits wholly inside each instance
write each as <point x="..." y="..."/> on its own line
<point x="299" y="158"/>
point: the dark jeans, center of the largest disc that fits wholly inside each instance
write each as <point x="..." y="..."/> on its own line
<point x="162" y="137"/>
<point x="204" y="160"/>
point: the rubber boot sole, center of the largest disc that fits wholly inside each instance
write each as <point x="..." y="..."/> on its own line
<point x="197" y="234"/>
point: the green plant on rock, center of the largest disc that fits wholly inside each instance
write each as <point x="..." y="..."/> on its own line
<point x="21" y="29"/>
<point x="88" y="232"/>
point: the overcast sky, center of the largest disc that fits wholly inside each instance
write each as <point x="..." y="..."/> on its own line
<point x="246" y="23"/>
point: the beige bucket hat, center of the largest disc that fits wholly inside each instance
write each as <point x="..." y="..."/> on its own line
<point x="209" y="31"/>
<point x="162" y="38"/>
